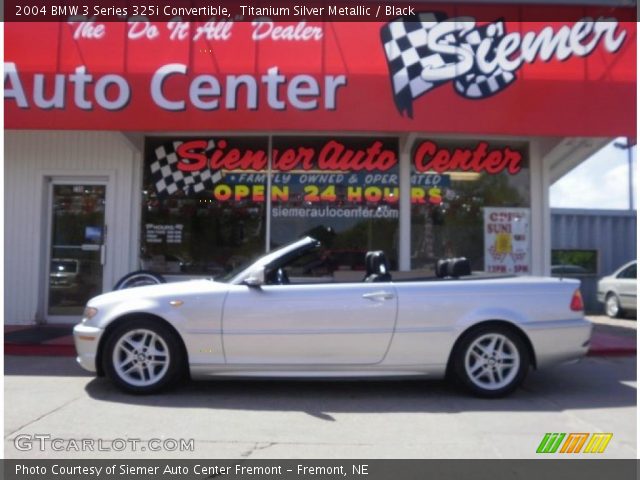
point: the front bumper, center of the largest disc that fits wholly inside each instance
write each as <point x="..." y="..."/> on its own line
<point x="86" y="339"/>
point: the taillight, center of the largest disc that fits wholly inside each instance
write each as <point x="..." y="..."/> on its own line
<point x="577" y="305"/>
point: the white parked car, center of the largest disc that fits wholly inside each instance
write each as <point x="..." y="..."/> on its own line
<point x="619" y="291"/>
<point x="486" y="332"/>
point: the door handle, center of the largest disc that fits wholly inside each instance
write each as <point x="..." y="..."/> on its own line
<point x="379" y="296"/>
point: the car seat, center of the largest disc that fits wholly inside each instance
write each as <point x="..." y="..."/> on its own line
<point x="377" y="267"/>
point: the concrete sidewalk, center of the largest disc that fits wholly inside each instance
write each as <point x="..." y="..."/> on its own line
<point x="611" y="337"/>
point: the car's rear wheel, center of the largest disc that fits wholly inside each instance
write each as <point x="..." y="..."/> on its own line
<point x="612" y="306"/>
<point x="491" y="361"/>
<point x="143" y="356"/>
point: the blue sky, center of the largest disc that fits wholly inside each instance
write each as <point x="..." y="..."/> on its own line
<point x="599" y="182"/>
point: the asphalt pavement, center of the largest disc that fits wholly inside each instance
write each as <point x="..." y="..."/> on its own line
<point x="53" y="398"/>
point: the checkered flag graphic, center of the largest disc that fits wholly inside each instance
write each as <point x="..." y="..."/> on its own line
<point x="405" y="45"/>
<point x="475" y="84"/>
<point x="168" y="179"/>
<point x="405" y="42"/>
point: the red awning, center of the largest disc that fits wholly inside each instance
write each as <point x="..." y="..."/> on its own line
<point x="505" y="78"/>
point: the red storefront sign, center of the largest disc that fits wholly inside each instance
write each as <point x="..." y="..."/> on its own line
<point x="429" y="157"/>
<point x="474" y="77"/>
<point x="194" y="155"/>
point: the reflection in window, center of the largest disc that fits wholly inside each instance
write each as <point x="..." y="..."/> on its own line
<point x="206" y="216"/>
<point x="448" y="201"/>
<point x="574" y="262"/>
<point x="342" y="191"/>
<point x="205" y="200"/>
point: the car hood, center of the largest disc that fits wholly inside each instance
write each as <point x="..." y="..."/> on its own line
<point x="165" y="290"/>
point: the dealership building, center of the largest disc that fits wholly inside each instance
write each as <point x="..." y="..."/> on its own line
<point x="187" y="148"/>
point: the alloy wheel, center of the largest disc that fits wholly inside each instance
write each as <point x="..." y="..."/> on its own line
<point x="492" y="361"/>
<point x="141" y="357"/>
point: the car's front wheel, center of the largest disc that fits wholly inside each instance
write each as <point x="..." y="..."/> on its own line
<point x="143" y="356"/>
<point x="491" y="361"/>
<point x="612" y="306"/>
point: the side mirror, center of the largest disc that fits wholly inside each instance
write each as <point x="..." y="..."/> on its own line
<point x="256" y="278"/>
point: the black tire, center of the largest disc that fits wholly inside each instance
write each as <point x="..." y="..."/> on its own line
<point x="465" y="362"/>
<point x="612" y="306"/>
<point x="136" y="382"/>
<point x="139" y="278"/>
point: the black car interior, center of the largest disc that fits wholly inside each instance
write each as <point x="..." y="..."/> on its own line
<point x="377" y="267"/>
<point x="453" y="267"/>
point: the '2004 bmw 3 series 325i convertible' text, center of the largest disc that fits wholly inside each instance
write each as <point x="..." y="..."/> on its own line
<point x="271" y="320"/>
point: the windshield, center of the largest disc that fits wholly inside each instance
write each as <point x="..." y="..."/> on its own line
<point x="237" y="275"/>
<point x="227" y="277"/>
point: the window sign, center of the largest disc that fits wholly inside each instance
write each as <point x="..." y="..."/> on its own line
<point x="507" y="240"/>
<point x="159" y="233"/>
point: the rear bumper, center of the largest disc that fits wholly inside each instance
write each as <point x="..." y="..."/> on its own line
<point x="86" y="340"/>
<point x="559" y="341"/>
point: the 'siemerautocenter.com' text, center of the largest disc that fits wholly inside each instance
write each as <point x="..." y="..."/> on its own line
<point x="45" y="442"/>
<point x="332" y="212"/>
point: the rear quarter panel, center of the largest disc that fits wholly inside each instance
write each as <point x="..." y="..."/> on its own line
<point x="432" y="315"/>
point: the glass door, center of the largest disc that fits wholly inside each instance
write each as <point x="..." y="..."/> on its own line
<point x="77" y="247"/>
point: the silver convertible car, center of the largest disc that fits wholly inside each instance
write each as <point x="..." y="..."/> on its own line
<point x="288" y="315"/>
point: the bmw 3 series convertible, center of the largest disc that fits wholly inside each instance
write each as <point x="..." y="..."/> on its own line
<point x="287" y="316"/>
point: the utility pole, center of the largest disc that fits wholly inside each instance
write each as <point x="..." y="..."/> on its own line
<point x="629" y="148"/>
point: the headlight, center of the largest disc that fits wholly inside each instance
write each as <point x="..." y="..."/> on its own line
<point x="89" y="313"/>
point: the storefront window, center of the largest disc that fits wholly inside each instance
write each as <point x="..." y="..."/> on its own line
<point x="205" y="200"/>
<point x="344" y="191"/>
<point x="574" y="262"/>
<point x="470" y="199"/>
<point x="203" y="204"/>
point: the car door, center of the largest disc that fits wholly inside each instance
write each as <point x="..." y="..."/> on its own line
<point x="309" y="324"/>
